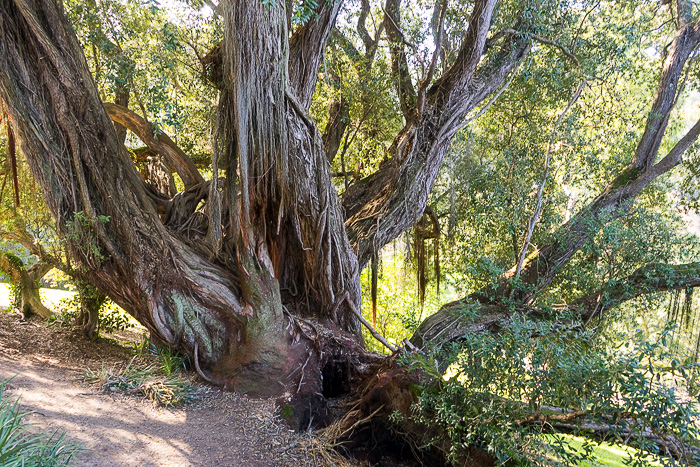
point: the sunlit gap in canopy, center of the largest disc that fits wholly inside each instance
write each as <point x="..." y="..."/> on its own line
<point x="183" y="13"/>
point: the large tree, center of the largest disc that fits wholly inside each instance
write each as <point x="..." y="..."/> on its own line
<point x="261" y="285"/>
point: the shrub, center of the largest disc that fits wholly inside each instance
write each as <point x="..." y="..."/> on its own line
<point x="111" y="317"/>
<point x="502" y="391"/>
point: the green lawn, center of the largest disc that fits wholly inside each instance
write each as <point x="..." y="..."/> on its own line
<point x="50" y="297"/>
<point x="606" y="454"/>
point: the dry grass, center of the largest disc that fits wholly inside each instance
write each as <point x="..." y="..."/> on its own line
<point x="146" y="381"/>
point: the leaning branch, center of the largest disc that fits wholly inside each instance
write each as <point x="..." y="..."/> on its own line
<point x="682" y="46"/>
<point x="668" y="443"/>
<point x="306" y="51"/>
<point x="159" y="143"/>
<point x="540" y="192"/>
<point x="460" y="75"/>
<point x="541" y="267"/>
<point x="21" y="236"/>
<point x="383" y="205"/>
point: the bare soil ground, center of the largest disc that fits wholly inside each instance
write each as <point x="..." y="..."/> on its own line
<point x="217" y="429"/>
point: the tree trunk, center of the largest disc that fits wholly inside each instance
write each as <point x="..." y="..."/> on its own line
<point x="26" y="280"/>
<point x="260" y="286"/>
<point x="275" y="245"/>
<point x="91" y="300"/>
<point x="157" y="172"/>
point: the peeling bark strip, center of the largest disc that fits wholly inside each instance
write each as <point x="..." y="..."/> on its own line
<point x="12" y="151"/>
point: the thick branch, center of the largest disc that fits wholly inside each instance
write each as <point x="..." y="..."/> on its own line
<point x="158" y="142"/>
<point x="38" y="270"/>
<point x="459" y="76"/>
<point x="683" y="44"/>
<point x="668" y="444"/>
<point x="362" y="28"/>
<point x="541" y="267"/>
<point x="339" y="109"/>
<point x="383" y="205"/>
<point x="452" y="322"/>
<point x="306" y="51"/>
<point x="338" y="122"/>
<point x="399" y="62"/>
<point x="423" y="86"/>
<point x="652" y="278"/>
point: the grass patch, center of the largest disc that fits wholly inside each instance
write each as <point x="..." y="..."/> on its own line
<point x="50" y="297"/>
<point x="147" y="381"/>
<point x="604" y="453"/>
<point x="18" y="447"/>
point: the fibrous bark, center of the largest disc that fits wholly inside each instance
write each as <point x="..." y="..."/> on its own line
<point x="270" y="259"/>
<point x="74" y="153"/>
<point x="264" y="294"/>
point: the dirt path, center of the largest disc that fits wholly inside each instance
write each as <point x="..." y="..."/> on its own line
<point x="219" y="429"/>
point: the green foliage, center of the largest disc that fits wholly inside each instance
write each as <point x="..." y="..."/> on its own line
<point x="15" y="298"/>
<point x="170" y="361"/>
<point x="497" y="382"/>
<point x="305" y="11"/>
<point x="17" y="264"/>
<point x="302" y="10"/>
<point x="136" y="48"/>
<point x="81" y="232"/>
<point x="111" y="317"/>
<point x="146" y="381"/>
<point x="399" y="310"/>
<point x="20" y="447"/>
